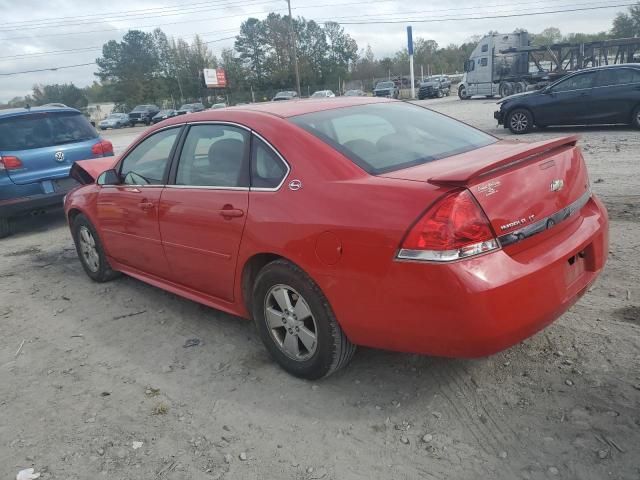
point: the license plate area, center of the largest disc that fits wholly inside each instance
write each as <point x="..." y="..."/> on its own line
<point x="576" y="267"/>
<point x="64" y="184"/>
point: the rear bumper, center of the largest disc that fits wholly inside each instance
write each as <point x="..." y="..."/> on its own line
<point x="480" y="306"/>
<point x="26" y="198"/>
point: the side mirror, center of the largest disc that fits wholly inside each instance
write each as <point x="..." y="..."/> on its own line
<point x="110" y="177"/>
<point x="547" y="90"/>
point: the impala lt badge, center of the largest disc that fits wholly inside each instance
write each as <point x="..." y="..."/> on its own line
<point x="489" y="188"/>
<point x="557" y="185"/>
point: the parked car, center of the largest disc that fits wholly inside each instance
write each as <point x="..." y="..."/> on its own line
<point x="190" y="108"/>
<point x="436" y="86"/>
<point x="593" y="96"/>
<point x="467" y="252"/>
<point x="354" y="93"/>
<point x="386" y="89"/>
<point x="323" y="94"/>
<point x="143" y="114"/>
<point x="115" y="120"/>
<point x="285" y="95"/>
<point x="216" y="106"/>
<point x="163" y="115"/>
<point x="37" y="148"/>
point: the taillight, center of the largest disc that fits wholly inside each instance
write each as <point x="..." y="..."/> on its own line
<point x="10" y="163"/>
<point x="455" y="227"/>
<point x="103" y="147"/>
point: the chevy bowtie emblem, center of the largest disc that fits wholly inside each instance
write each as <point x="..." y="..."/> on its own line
<point x="557" y="185"/>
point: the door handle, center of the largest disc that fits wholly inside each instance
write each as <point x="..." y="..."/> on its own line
<point x="146" y="206"/>
<point x="229" y="212"/>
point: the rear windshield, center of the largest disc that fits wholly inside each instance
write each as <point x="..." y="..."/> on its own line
<point x="382" y="138"/>
<point x="37" y="130"/>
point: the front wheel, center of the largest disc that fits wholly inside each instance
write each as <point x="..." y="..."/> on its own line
<point x="520" y="121"/>
<point x="635" y="118"/>
<point x="462" y="93"/>
<point x="90" y="250"/>
<point x="296" y="323"/>
<point x="439" y="94"/>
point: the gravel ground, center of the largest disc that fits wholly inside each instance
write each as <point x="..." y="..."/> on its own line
<point x="87" y="370"/>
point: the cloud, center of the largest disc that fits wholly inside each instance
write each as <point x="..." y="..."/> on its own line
<point x="41" y="30"/>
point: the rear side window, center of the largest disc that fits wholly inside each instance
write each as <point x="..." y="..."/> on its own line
<point x="267" y="170"/>
<point x="46" y="129"/>
<point x="214" y="156"/>
<point x="386" y="137"/>
<point x="618" y="76"/>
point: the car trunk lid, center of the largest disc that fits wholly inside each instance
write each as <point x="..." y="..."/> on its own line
<point x="87" y="171"/>
<point x="518" y="185"/>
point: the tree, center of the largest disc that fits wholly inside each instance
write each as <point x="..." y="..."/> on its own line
<point x="548" y="36"/>
<point x="66" y="93"/>
<point x="627" y="25"/>
<point x="250" y="45"/>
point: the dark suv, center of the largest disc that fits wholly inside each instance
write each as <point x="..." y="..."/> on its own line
<point x="143" y="114"/>
<point x="593" y="96"/>
<point x="190" y="108"/>
<point x="435" y="86"/>
<point x="386" y="89"/>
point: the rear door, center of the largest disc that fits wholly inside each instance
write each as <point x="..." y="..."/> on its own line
<point x="128" y="213"/>
<point x="204" y="209"/>
<point x="47" y="144"/>
<point x="613" y="95"/>
<point x="567" y="102"/>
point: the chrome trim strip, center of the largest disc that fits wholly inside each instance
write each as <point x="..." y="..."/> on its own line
<point x="219" y="122"/>
<point x="206" y="187"/>
<point x="546" y="223"/>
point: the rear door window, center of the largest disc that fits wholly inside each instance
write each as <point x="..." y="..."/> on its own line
<point x="44" y="129"/>
<point x="267" y="169"/>
<point x="618" y="76"/>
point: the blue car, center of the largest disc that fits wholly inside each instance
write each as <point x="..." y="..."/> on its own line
<point x="37" y="148"/>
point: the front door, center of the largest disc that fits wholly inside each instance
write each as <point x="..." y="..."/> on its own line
<point x="567" y="102"/>
<point x="128" y="213"/>
<point x="204" y="209"/>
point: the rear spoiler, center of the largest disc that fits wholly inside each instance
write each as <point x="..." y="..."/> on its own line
<point x="87" y="171"/>
<point x="463" y="173"/>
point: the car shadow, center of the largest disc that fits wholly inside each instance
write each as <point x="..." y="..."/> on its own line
<point x="36" y="223"/>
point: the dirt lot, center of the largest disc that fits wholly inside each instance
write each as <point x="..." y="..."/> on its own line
<point x="103" y="366"/>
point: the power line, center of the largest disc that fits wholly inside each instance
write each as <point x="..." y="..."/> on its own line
<point x="457" y="19"/>
<point x="47" y="69"/>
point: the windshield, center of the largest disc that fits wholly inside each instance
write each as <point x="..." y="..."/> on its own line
<point x="283" y="94"/>
<point x="321" y="93"/>
<point x="37" y="130"/>
<point x="115" y="116"/>
<point x="186" y="106"/>
<point x="386" y="137"/>
<point x="385" y="85"/>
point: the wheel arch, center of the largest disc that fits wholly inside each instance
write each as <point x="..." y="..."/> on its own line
<point x="521" y="107"/>
<point x="250" y="271"/>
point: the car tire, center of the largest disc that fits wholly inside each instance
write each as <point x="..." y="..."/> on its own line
<point x="5" y="227"/>
<point x="324" y="348"/>
<point x="635" y="117"/>
<point x="462" y="93"/>
<point x="439" y="94"/>
<point x="520" y="121"/>
<point x="90" y="250"/>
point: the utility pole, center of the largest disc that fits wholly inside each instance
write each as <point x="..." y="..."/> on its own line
<point x="292" y="39"/>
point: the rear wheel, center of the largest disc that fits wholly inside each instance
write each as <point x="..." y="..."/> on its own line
<point x="5" y="230"/>
<point x="520" y="121"/>
<point x="90" y="251"/>
<point x="635" y="118"/>
<point x="296" y="323"/>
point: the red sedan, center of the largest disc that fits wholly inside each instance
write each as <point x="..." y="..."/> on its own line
<point x="344" y="222"/>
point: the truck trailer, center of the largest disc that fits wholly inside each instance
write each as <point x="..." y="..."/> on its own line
<point x="504" y="64"/>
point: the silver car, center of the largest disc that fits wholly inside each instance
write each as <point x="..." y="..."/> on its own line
<point x="115" y="120"/>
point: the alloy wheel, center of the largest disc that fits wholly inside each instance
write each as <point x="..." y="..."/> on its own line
<point x="88" y="249"/>
<point x="519" y="122"/>
<point x="290" y="322"/>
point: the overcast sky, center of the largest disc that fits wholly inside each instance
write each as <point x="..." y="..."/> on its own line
<point x="31" y="27"/>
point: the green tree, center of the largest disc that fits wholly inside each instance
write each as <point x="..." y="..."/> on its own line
<point x="548" y="36"/>
<point x="250" y="44"/>
<point x="627" y="25"/>
<point x="66" y="93"/>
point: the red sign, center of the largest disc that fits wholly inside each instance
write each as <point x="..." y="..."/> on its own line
<point x="215" y="78"/>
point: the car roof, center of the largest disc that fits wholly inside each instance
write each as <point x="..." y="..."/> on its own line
<point x="606" y="67"/>
<point x="300" y="107"/>
<point x="12" y="112"/>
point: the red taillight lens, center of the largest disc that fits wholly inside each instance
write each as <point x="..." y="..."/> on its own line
<point x="10" y="163"/>
<point x="455" y="227"/>
<point x="103" y="147"/>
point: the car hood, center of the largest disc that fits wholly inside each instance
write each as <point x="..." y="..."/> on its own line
<point x="518" y="95"/>
<point x="87" y="171"/>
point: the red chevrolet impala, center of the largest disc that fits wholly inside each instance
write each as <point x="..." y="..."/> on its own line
<point x="344" y="222"/>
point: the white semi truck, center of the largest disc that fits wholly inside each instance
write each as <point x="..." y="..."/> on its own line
<point x="504" y="64"/>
